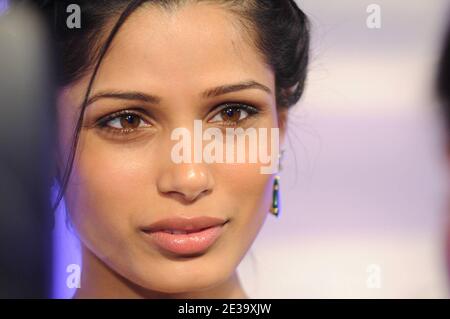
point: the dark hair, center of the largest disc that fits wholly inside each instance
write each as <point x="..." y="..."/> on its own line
<point x="279" y="30"/>
<point x="443" y="80"/>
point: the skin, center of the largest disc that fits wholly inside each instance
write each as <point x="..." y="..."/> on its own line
<point x="122" y="182"/>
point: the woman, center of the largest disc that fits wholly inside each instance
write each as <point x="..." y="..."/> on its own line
<point x="135" y="72"/>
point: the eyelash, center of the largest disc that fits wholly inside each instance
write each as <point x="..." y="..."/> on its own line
<point x="102" y="123"/>
<point x="251" y="111"/>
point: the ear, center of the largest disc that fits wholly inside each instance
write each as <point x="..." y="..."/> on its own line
<point x="282" y="123"/>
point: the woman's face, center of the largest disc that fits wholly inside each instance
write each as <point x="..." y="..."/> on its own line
<point x="124" y="178"/>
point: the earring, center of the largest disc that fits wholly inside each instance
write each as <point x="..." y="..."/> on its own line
<point x="275" y="207"/>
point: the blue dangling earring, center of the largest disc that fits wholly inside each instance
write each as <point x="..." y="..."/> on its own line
<point x="275" y="207"/>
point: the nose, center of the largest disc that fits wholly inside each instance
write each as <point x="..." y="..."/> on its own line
<point x="185" y="181"/>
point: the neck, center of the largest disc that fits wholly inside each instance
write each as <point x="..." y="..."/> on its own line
<point x="100" y="281"/>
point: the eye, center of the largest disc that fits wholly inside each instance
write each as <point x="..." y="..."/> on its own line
<point x="124" y="121"/>
<point x="234" y="113"/>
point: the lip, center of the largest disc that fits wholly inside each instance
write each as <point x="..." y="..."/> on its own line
<point x="199" y="234"/>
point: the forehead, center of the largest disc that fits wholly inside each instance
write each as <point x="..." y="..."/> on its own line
<point x="191" y="47"/>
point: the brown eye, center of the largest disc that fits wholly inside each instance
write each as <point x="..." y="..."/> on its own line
<point x="130" y="121"/>
<point x="126" y="122"/>
<point x="231" y="114"/>
<point x="234" y="113"/>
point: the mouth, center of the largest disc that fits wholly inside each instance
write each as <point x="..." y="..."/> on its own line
<point x="182" y="237"/>
<point x="182" y="232"/>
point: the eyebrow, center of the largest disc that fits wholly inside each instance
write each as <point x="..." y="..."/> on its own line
<point x="153" y="99"/>
<point x="132" y="96"/>
<point x="224" y="89"/>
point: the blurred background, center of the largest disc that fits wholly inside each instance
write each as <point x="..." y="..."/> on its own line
<point x="27" y="128"/>
<point x="364" y="184"/>
<point x="364" y="187"/>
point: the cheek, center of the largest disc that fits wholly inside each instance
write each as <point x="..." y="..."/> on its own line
<point x="112" y="170"/>
<point x="106" y="189"/>
<point x="250" y="194"/>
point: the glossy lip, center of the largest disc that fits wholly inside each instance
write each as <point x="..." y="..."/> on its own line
<point x="201" y="233"/>
<point x="185" y="223"/>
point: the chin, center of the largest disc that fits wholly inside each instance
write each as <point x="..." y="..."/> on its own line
<point x="186" y="282"/>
